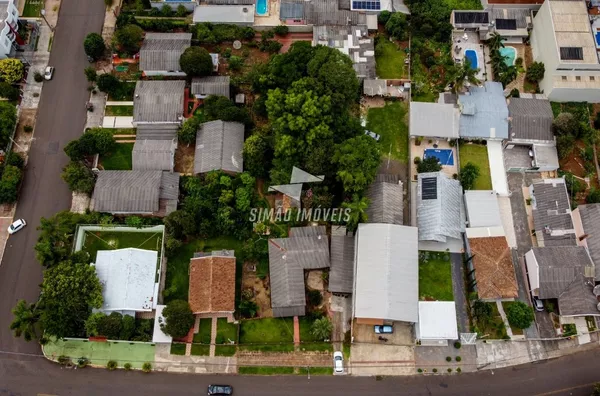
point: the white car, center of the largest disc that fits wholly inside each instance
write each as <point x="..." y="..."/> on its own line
<point x="17" y="225"/>
<point x="49" y="73"/>
<point x="338" y="362"/>
<point x="373" y="135"/>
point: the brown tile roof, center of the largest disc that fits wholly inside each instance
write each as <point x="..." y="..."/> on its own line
<point x="212" y="284"/>
<point x="494" y="269"/>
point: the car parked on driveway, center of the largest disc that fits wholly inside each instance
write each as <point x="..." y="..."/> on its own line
<point x="383" y="329"/>
<point x="538" y="304"/>
<point x="17" y="225"/>
<point x="338" y="362"/>
<point x="217" y="390"/>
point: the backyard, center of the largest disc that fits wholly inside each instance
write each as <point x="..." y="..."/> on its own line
<point x="119" y="159"/>
<point x="120" y="111"/>
<point x="476" y="154"/>
<point x="110" y="240"/>
<point x="435" y="277"/>
<point x="308" y="342"/>
<point x="32" y="8"/>
<point x="267" y="335"/>
<point x="390" y="59"/>
<point x="391" y="123"/>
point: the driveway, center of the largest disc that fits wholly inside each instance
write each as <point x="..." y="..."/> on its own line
<point x="369" y="359"/>
<point x="60" y="119"/>
<point x="460" y="294"/>
<point x="516" y="182"/>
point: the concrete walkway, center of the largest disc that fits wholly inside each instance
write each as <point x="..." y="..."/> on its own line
<point x="296" y="331"/>
<point x="504" y="319"/>
<point x="95" y="118"/>
<point x="460" y="294"/>
<point x="213" y="336"/>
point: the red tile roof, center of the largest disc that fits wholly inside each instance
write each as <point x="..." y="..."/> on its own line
<point x="212" y="284"/>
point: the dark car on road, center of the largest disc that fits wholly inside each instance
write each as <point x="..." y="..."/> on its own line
<point x="214" y="390"/>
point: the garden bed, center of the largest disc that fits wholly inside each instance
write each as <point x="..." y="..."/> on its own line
<point x="435" y="277"/>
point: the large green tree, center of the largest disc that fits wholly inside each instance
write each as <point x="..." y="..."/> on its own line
<point x="187" y="132"/>
<point x="196" y="62"/>
<point x="468" y="174"/>
<point x="8" y="120"/>
<point x="357" y="160"/>
<point x="11" y="70"/>
<point x="358" y="211"/>
<point x="258" y="155"/>
<point x="94" y="46"/>
<point x="179" y="318"/>
<point x="129" y="38"/>
<point x="9" y="184"/>
<point x="519" y="315"/>
<point x="79" y="177"/>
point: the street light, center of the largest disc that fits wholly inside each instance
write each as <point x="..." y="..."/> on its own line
<point x="43" y="12"/>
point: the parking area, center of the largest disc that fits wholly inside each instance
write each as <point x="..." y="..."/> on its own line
<point x="402" y="335"/>
<point x="368" y="359"/>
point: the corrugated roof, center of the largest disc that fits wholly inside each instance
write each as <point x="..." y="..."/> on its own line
<point x="289" y="9"/>
<point x="158" y="102"/>
<point x="230" y="2"/>
<point x="341" y="275"/>
<point x="157" y="132"/>
<point x="434" y="120"/>
<point x="386" y="278"/>
<point x="531" y="119"/>
<point x="487" y="116"/>
<point x="153" y="154"/>
<point x="169" y="186"/>
<point x="212" y="283"/>
<point x="386" y="202"/>
<point x="375" y="87"/>
<point x="590" y="219"/>
<point x="161" y="51"/>
<point x="234" y="14"/>
<point x="212" y="85"/>
<point x="127" y="191"/>
<point x="219" y="145"/>
<point x="552" y="213"/>
<point x="325" y="12"/>
<point x="482" y="209"/>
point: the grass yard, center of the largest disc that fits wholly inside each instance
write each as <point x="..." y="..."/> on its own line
<point x="124" y="92"/>
<point x="478" y="155"/>
<point x="120" y="111"/>
<point x="494" y="329"/>
<point x="226" y="332"/>
<point x="177" y="280"/>
<point x="424" y="97"/>
<point x="307" y="341"/>
<point x="435" y="277"/>
<point x="515" y="330"/>
<point x="177" y="349"/>
<point x="32" y="8"/>
<point x="390" y="60"/>
<point x="110" y="240"/>
<point x="119" y="159"/>
<point x="122" y="131"/>
<point x="267" y="335"/>
<point x="265" y="370"/>
<point x="203" y="336"/>
<point x="316" y="371"/>
<point x="200" y="350"/>
<point x="391" y="123"/>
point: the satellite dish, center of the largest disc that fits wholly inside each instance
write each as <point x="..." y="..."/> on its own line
<point x="597" y="291"/>
<point x="237" y="44"/>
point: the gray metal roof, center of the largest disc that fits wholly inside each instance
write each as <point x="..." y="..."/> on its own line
<point x="290" y="9"/>
<point x="230" y="2"/>
<point x="590" y="219"/>
<point x="566" y="273"/>
<point x="341" y="275"/>
<point x="234" y="14"/>
<point x="531" y="119"/>
<point x="127" y="191"/>
<point x="161" y="51"/>
<point x="519" y="15"/>
<point x="386" y="202"/>
<point x="219" y="145"/>
<point x="545" y="155"/>
<point x="387" y="273"/>
<point x="484" y="113"/>
<point x="375" y="87"/>
<point x="441" y="217"/>
<point x="482" y="209"/>
<point x="153" y="154"/>
<point x="169" y="186"/>
<point x="288" y="258"/>
<point x="212" y="85"/>
<point x="157" y="132"/>
<point x="158" y="102"/>
<point x="325" y="12"/>
<point x="552" y="213"/>
<point x="434" y="120"/>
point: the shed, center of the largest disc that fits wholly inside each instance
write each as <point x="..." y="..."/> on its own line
<point x="211" y="85"/>
<point x="219" y="146"/>
<point x="437" y="322"/>
<point x="154" y="154"/>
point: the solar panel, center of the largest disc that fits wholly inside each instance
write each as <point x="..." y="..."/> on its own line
<point x="429" y="188"/>
<point x="366" y="5"/>
<point x="571" y="53"/>
<point x="506" y="24"/>
<point x="471" y="17"/>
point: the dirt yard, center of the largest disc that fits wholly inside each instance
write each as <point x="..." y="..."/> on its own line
<point x="184" y="159"/>
<point x="260" y="289"/>
<point x="22" y="138"/>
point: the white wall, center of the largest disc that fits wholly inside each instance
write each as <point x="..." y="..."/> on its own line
<point x="7" y="37"/>
<point x="572" y="94"/>
<point x="533" y="271"/>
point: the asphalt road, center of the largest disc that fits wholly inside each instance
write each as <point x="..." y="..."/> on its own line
<point x="570" y="375"/>
<point x="60" y="119"/>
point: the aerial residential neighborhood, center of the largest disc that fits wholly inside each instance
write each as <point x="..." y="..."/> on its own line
<point x="201" y="194"/>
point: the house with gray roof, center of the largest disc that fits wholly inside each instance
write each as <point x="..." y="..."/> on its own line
<point x="219" y="146"/>
<point x="586" y="219"/>
<point x="513" y="24"/>
<point x="306" y="248"/>
<point x="386" y="200"/>
<point x="148" y="192"/>
<point x="434" y="120"/>
<point x="551" y="209"/>
<point x="154" y="154"/>
<point x="440" y="212"/>
<point x="483" y="113"/>
<point x="158" y="102"/>
<point x="341" y="274"/>
<point x="160" y="53"/>
<point x="241" y="15"/>
<point x="386" y="274"/>
<point x="211" y="85"/>
<point x="564" y="273"/>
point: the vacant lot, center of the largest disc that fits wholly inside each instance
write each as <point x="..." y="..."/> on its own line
<point x="391" y="123"/>
<point x="119" y="159"/>
<point x="493" y="328"/>
<point x="268" y="334"/>
<point x="390" y="60"/>
<point x="435" y="277"/>
<point x="100" y="240"/>
<point x="478" y="155"/>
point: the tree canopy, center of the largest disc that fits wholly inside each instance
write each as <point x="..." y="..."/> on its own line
<point x="179" y="319"/>
<point x="535" y="72"/>
<point x="519" y="315"/>
<point x="129" y="38"/>
<point x="94" y="46"/>
<point x="430" y="164"/>
<point x="468" y="174"/>
<point x="196" y="62"/>
<point x="8" y="120"/>
<point x="11" y="70"/>
<point x="79" y="177"/>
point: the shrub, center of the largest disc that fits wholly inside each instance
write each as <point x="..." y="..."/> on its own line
<point x="11" y="70"/>
<point x="448" y="359"/>
<point x="82" y="362"/>
<point x="514" y="93"/>
<point x="248" y="308"/>
<point x="112" y="365"/>
<point x="419" y="370"/>
<point x="321" y="328"/>
<point x="417" y="160"/>
<point x="449" y="370"/>
<point x="468" y="175"/>
<point x="108" y="83"/>
<point x="593" y="196"/>
<point x="565" y="145"/>
<point x="597" y="121"/>
<point x="9" y="184"/>
<point x="434" y="370"/>
<point x="15" y="159"/>
<point x="458" y="370"/>
<point x="270" y="46"/>
<point x="64" y="360"/>
<point x="430" y="164"/>
<point x="281" y="30"/>
<point x="519" y="315"/>
<point x="457" y="345"/>
<point x="315" y="298"/>
<point x="383" y="17"/>
<point x="166" y="10"/>
<point x="566" y="124"/>
<point x="147" y="367"/>
<point x="79" y="177"/>
<point x="458" y="359"/>
<point x="37" y="76"/>
<point x="127" y="366"/>
<point x="235" y="63"/>
<point x="7" y="91"/>
<point x="181" y="11"/>
<point x="90" y="74"/>
<point x="535" y="72"/>
<point x="397" y="26"/>
<point x="227" y="53"/>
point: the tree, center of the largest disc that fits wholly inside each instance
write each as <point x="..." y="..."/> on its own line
<point x="468" y="174"/>
<point x="107" y="83"/>
<point x="9" y="184"/>
<point x="26" y="317"/>
<point x="482" y="312"/>
<point x="358" y="211"/>
<point x="593" y="196"/>
<point x="358" y="160"/>
<point x="8" y="120"/>
<point x="166" y="10"/>
<point x="565" y="145"/>
<point x="7" y="91"/>
<point x="187" y="132"/>
<point x="181" y="11"/>
<point x="196" y="62"/>
<point x="495" y="42"/>
<point x="15" y="159"/>
<point x="129" y="38"/>
<point x="90" y="74"/>
<point x="221" y="108"/>
<point x="397" y="26"/>
<point x="464" y="73"/>
<point x="11" y="70"/>
<point x="110" y="326"/>
<point x="431" y="164"/>
<point x="91" y="324"/>
<point x="535" y="72"/>
<point x="258" y="155"/>
<point x="248" y="308"/>
<point x="383" y="17"/>
<point x="94" y="46"/>
<point x="508" y="75"/>
<point x="180" y="224"/>
<point x="235" y="63"/>
<point x="79" y="177"/>
<point x="128" y="327"/>
<point x="179" y="319"/>
<point x="321" y="328"/>
<point x="103" y="140"/>
<point x="566" y="124"/>
<point x="519" y="315"/>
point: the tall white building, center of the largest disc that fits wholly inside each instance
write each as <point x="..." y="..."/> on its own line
<point x="9" y="14"/>
<point x="563" y="40"/>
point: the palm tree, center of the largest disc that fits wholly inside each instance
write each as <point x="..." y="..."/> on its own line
<point x="358" y="213"/>
<point x="464" y="74"/>
<point x="495" y="42"/>
<point x="509" y="75"/>
<point x="25" y="321"/>
<point x="321" y="328"/>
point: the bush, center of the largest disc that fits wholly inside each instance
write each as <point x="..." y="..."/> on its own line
<point x="314" y="298"/>
<point x="11" y="70"/>
<point x="9" y="184"/>
<point x="566" y="124"/>
<point x="90" y="74"/>
<point x="519" y="315"/>
<point x="37" y="76"/>
<point x="227" y="53"/>
<point x="430" y="164"/>
<point x="235" y="63"/>
<point x="383" y="17"/>
<point x="449" y="370"/>
<point x="129" y="38"/>
<point x="82" y="362"/>
<point x="448" y="359"/>
<point x="281" y="30"/>
<point x="147" y="367"/>
<point x="514" y="93"/>
<point x="108" y="83"/>
<point x="179" y="319"/>
<point x="127" y="366"/>
<point x="397" y="26"/>
<point x="64" y="360"/>
<point x="270" y="46"/>
<point x="593" y="196"/>
<point x="434" y="370"/>
<point x="79" y="177"/>
<point x="417" y="160"/>
<point x="196" y="62"/>
<point x="468" y="175"/>
<point x="565" y="145"/>
<point x="458" y="359"/>
<point x="248" y="308"/>
<point x="535" y="72"/>
<point x="418" y="370"/>
<point x="187" y="132"/>
<point x="597" y="121"/>
<point x="457" y="345"/>
<point x="94" y="46"/>
<point x="166" y="11"/>
<point x="7" y="91"/>
<point x="181" y="11"/>
<point x="112" y="365"/>
<point x="15" y="159"/>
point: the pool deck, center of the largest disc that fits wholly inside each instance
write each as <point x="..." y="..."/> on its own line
<point x="272" y="17"/>
<point x="460" y="45"/>
<point x="419" y="151"/>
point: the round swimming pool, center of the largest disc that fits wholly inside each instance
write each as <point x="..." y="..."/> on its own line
<point x="509" y="54"/>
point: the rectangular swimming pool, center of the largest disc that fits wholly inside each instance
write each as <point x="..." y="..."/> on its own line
<point x="444" y="156"/>
<point x="471" y="55"/>
<point x="262" y="7"/>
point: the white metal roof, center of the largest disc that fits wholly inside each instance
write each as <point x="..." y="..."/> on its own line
<point x="127" y="277"/>
<point x="482" y="208"/>
<point x="437" y="320"/>
<point x="387" y="272"/>
<point x="158" y="335"/>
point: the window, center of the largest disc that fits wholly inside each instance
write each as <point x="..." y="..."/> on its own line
<point x="564" y="78"/>
<point x="592" y="78"/>
<point x="577" y="78"/>
<point x="571" y="53"/>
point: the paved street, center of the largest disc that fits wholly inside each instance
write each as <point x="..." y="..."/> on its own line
<point x="570" y="375"/>
<point x="60" y="119"/>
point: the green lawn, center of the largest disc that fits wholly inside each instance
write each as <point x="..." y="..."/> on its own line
<point x="515" y="330"/>
<point x="425" y="97"/>
<point x="316" y="371"/>
<point x="200" y="350"/>
<point x="119" y="159"/>
<point x="226" y="331"/>
<point x="32" y="8"/>
<point x="391" y="123"/>
<point x="495" y="328"/>
<point x="203" y="336"/>
<point x="177" y="281"/>
<point x="268" y="334"/>
<point x="110" y="240"/>
<point x="124" y="92"/>
<point x="308" y="342"/>
<point x="265" y="370"/>
<point x="390" y="60"/>
<point x="177" y="349"/>
<point x="118" y="111"/>
<point x="478" y="155"/>
<point x="435" y="277"/>
<point x="122" y="131"/>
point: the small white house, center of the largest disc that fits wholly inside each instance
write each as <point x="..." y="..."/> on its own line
<point x="437" y="323"/>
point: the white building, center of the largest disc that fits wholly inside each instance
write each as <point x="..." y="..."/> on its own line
<point x="9" y="14"/>
<point x="437" y="323"/>
<point x="562" y="39"/>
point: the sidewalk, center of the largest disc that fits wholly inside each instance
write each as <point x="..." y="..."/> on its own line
<point x="164" y="361"/>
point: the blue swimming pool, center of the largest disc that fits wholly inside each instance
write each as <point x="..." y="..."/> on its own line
<point x="598" y="38"/>
<point x="262" y="7"/>
<point x="471" y="55"/>
<point x="509" y="54"/>
<point x="444" y="156"/>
